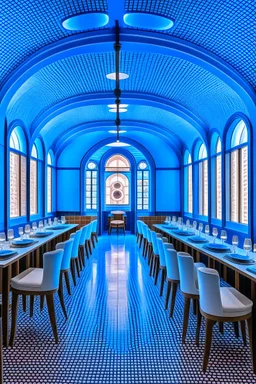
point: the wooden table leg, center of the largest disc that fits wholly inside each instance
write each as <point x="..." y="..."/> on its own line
<point x="5" y="303"/>
<point x="37" y="258"/>
<point x="1" y="355"/>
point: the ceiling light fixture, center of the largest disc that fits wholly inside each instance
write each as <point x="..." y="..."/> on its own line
<point x="114" y="131"/>
<point x="112" y="76"/>
<point x="121" y="110"/>
<point x="84" y="21"/>
<point x="120" y="105"/>
<point x="148" y="21"/>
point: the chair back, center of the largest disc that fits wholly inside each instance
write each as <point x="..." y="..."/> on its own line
<point x="187" y="274"/>
<point x="89" y="231"/>
<point x="165" y="239"/>
<point x="171" y="261"/>
<point x="144" y="230"/>
<point x="149" y="235"/>
<point x="83" y="235"/>
<point x="94" y="226"/>
<point x="161" y="252"/>
<point x="209" y="291"/>
<point x="154" y="243"/>
<point x="67" y="248"/>
<point x="51" y="269"/>
<point x="118" y="216"/>
<point x="76" y="237"/>
<point x="139" y="226"/>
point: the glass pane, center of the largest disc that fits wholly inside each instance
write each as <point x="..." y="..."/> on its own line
<point x="244" y="184"/>
<point x="205" y="188"/>
<point x="218" y="188"/>
<point x="49" y="189"/>
<point x="190" y="190"/>
<point x="14" y="185"/>
<point x="33" y="187"/>
<point x="234" y="177"/>
<point x="23" y="186"/>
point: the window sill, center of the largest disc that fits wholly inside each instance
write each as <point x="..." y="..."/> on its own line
<point x="243" y="228"/>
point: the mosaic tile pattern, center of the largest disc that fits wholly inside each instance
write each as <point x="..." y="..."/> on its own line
<point x="118" y="332"/>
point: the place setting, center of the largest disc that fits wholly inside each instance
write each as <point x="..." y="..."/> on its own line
<point x="240" y="258"/>
<point x="57" y="225"/>
<point x="183" y="230"/>
<point x="198" y="238"/>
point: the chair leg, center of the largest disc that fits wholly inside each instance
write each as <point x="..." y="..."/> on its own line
<point x="156" y="270"/>
<point x="86" y="249"/>
<point x="32" y="299"/>
<point x="24" y="303"/>
<point x="137" y="237"/>
<point x="152" y="264"/>
<point x="66" y="275"/>
<point x="236" y="328"/>
<point x="14" y="317"/>
<point x="198" y="325"/>
<point x="60" y="293"/>
<point x="185" y="319"/>
<point x="141" y="237"/>
<point x="243" y="331"/>
<point x="80" y="263"/>
<point x="169" y="285"/>
<point x="51" y="311"/>
<point x="221" y="327"/>
<point x="90" y="247"/>
<point x="77" y="266"/>
<point x="174" y="291"/>
<point x="208" y="342"/>
<point x="41" y="302"/>
<point x="162" y="281"/>
<point x="93" y="243"/>
<point x="249" y="325"/>
<point x="73" y="273"/>
<point x="194" y="306"/>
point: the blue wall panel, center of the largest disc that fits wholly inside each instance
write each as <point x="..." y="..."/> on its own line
<point x="68" y="190"/>
<point x="167" y="190"/>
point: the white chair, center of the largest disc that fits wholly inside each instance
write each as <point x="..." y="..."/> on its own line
<point x="82" y="240"/>
<point x="145" y="238"/>
<point x="74" y="264"/>
<point x="37" y="282"/>
<point x="221" y="304"/>
<point x="149" y="247"/>
<point x="155" y="253"/>
<point x="162" y="264"/>
<point x="87" y="244"/>
<point x="189" y="289"/>
<point x="173" y="277"/>
<point x="94" y="234"/>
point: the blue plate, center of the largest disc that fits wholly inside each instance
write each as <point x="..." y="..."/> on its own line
<point x="7" y="253"/>
<point x="23" y="242"/>
<point x="56" y="227"/>
<point x="41" y="234"/>
<point x="169" y="226"/>
<point x="198" y="239"/>
<point x="238" y="256"/>
<point x="184" y="233"/>
<point x="218" y="247"/>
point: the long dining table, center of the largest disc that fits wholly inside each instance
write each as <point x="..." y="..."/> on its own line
<point x="30" y="256"/>
<point x="183" y="243"/>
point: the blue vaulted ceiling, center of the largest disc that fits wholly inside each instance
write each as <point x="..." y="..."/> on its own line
<point x="183" y="82"/>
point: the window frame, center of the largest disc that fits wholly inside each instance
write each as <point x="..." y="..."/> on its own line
<point x="91" y="171"/>
<point x="50" y="166"/>
<point x="187" y="168"/>
<point x="202" y="165"/>
<point x="143" y="178"/>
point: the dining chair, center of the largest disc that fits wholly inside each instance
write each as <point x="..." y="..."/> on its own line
<point x="37" y="282"/>
<point x="221" y="304"/>
<point x="74" y="265"/>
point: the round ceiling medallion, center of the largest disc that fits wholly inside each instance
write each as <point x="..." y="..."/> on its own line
<point x="148" y="21"/>
<point x="86" y="21"/>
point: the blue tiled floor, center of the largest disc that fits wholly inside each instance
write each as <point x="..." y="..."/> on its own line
<point x="119" y="332"/>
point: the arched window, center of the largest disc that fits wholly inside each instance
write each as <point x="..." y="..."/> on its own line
<point x="36" y="162"/>
<point x="117" y="189"/>
<point x="117" y="185"/>
<point x="91" y="176"/>
<point x="216" y="160"/>
<point x="18" y="173"/>
<point x="50" y="163"/>
<point x="188" y="184"/>
<point x="142" y="186"/>
<point x="117" y="163"/>
<point x="238" y="173"/>
<point x="203" y="181"/>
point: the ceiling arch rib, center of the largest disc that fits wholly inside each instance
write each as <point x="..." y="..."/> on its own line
<point x="105" y="99"/>
<point x="135" y="42"/>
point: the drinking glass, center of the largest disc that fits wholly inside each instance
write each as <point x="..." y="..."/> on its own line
<point x="50" y="221"/>
<point x="21" y="232"/>
<point x="194" y="226"/>
<point x="10" y="235"/>
<point x="34" y="226"/>
<point x="27" y="229"/>
<point x="174" y="219"/>
<point x="247" y="245"/>
<point x="254" y="248"/>
<point x="2" y="239"/>
<point x="200" y="228"/>
<point x="223" y="236"/>
<point x="45" y="223"/>
<point x="235" y="242"/>
<point x="215" y="234"/>
<point x="41" y="225"/>
<point x="188" y="224"/>
<point x="207" y="230"/>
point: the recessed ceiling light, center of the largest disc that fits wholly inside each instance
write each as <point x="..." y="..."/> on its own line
<point x="122" y="76"/>
<point x="120" y="105"/>
<point x="86" y="21"/>
<point x="113" y="131"/>
<point x="120" y="110"/>
<point x="148" y="21"/>
<point x="118" y="144"/>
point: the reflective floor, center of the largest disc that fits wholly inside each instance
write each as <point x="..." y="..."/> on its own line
<point x="119" y="332"/>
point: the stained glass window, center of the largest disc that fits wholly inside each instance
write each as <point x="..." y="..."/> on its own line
<point x="203" y="181"/>
<point x="142" y="186"/>
<point x="188" y="176"/>
<point x="18" y="173"/>
<point x="117" y="189"/>
<point x="91" y="187"/>
<point x="50" y="162"/>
